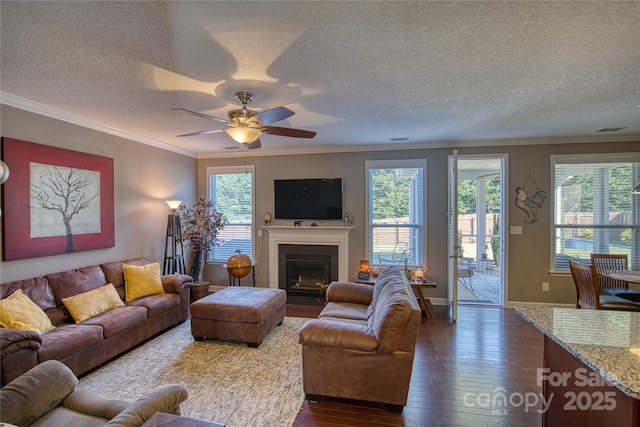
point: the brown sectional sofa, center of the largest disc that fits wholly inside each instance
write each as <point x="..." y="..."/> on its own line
<point x="89" y="344"/>
<point x="363" y="343"/>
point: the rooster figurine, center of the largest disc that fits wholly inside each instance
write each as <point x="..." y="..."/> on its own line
<point x="529" y="204"/>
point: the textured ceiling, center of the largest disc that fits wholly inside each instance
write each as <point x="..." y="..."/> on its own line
<point x="357" y="73"/>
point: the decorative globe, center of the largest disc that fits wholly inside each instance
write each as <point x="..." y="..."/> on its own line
<point x="239" y="265"/>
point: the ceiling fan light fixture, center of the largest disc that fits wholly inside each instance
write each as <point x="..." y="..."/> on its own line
<point x="244" y="135"/>
<point x="246" y="126"/>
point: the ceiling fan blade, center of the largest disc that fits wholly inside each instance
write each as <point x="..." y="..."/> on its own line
<point x="296" y="133"/>
<point x="271" y="116"/>
<point x="203" y="132"/>
<point x="204" y="116"/>
<point x="255" y="144"/>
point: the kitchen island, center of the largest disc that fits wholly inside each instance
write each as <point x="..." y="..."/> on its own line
<point x="591" y="373"/>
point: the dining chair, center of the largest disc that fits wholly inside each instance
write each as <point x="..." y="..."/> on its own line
<point x="606" y="285"/>
<point x="587" y="291"/>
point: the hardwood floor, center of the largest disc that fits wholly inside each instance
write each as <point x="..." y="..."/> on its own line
<point x="458" y="369"/>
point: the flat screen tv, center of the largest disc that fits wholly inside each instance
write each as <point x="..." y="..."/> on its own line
<point x="318" y="199"/>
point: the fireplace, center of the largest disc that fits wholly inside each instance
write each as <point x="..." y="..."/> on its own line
<point x="305" y="236"/>
<point x="306" y="270"/>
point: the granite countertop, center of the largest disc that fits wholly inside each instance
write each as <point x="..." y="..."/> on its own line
<point x="606" y="341"/>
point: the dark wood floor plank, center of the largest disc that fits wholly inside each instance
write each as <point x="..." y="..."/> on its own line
<point x="457" y="365"/>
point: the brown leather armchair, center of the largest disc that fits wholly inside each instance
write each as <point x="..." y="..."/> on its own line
<point x="47" y="395"/>
<point x="363" y="343"/>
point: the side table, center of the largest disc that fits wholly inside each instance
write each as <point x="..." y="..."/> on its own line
<point x="425" y="303"/>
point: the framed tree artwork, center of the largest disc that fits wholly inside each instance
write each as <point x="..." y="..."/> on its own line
<point x="55" y="201"/>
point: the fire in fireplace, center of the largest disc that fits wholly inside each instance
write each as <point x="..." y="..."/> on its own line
<point x="307" y="270"/>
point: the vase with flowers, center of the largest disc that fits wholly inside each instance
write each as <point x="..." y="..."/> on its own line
<point x="201" y="224"/>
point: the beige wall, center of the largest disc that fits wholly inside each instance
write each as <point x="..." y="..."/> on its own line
<point x="528" y="254"/>
<point x="144" y="176"/>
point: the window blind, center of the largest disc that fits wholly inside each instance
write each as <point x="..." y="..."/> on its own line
<point x="231" y="191"/>
<point x="396" y="213"/>
<point x="594" y="210"/>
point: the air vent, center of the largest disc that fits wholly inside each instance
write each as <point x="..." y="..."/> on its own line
<point x="231" y="148"/>
<point x="403" y="138"/>
<point x="610" y="129"/>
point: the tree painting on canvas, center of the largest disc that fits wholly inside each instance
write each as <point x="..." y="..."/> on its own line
<point x="56" y="201"/>
<point x="64" y="202"/>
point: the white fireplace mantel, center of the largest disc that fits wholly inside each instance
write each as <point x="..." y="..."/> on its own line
<point x="288" y="235"/>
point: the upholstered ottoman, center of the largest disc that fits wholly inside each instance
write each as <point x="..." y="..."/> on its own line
<point x="238" y="314"/>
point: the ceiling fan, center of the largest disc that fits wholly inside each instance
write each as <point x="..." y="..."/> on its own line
<point x="246" y="126"/>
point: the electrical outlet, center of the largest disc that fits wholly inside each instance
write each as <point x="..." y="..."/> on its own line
<point x="545" y="286"/>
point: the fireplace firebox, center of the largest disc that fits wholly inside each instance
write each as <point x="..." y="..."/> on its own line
<point x="307" y="270"/>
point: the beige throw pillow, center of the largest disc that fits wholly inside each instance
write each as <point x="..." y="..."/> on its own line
<point x="141" y="281"/>
<point x="91" y="303"/>
<point x="19" y="312"/>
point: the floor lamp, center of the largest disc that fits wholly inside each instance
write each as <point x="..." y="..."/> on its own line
<point x="173" y="250"/>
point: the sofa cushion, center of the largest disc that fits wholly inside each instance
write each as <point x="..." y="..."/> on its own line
<point x="119" y="319"/>
<point x="19" y="312"/>
<point x="343" y="320"/>
<point x="37" y="289"/>
<point x="388" y="275"/>
<point x="89" y="304"/>
<point x="68" y="283"/>
<point x="67" y="339"/>
<point x="391" y="315"/>
<point x="337" y="335"/>
<point x="156" y="304"/>
<point x="358" y="293"/>
<point x="142" y="281"/>
<point x="345" y="310"/>
<point x="62" y="416"/>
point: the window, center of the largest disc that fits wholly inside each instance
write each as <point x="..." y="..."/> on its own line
<point x="395" y="211"/>
<point x="594" y="210"/>
<point x="231" y="190"/>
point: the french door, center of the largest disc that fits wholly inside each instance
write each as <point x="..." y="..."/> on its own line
<point x="477" y="215"/>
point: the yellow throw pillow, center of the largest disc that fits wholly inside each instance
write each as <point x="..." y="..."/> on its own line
<point x="91" y="303"/>
<point x="141" y="281"/>
<point x="19" y="312"/>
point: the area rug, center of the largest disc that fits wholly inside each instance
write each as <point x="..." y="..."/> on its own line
<point x="228" y="382"/>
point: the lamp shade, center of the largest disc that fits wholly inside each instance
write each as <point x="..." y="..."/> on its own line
<point x="174" y="204"/>
<point x="363" y="273"/>
<point x="244" y="135"/>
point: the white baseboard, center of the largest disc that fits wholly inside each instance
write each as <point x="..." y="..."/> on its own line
<point x="512" y="304"/>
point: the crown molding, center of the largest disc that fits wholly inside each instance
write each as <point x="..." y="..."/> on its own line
<point x="54" y="113"/>
<point x="332" y="149"/>
<point x="76" y="119"/>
